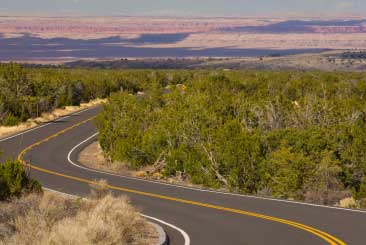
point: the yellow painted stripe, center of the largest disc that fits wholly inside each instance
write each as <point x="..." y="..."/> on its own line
<point x="331" y="240"/>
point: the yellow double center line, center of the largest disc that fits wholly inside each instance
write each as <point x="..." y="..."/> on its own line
<point x="331" y="240"/>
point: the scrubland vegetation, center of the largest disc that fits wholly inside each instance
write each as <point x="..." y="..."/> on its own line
<point x="293" y="135"/>
<point x="27" y="93"/>
<point x="29" y="216"/>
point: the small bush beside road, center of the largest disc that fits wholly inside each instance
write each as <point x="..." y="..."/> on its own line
<point x="14" y="181"/>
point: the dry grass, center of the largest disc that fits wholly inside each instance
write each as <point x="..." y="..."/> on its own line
<point x="348" y="202"/>
<point x="51" y="219"/>
<point x="45" y="117"/>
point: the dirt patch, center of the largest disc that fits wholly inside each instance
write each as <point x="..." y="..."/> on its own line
<point x="47" y="116"/>
<point x="93" y="157"/>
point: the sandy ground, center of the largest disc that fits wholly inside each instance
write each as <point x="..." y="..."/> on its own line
<point x="92" y="156"/>
<point x="45" y="117"/>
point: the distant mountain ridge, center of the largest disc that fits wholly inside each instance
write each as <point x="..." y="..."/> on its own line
<point x="301" y="26"/>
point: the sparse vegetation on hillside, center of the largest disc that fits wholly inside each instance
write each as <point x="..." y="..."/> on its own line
<point x="326" y="61"/>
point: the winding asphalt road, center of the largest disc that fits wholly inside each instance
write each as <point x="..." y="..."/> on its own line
<point x="207" y="217"/>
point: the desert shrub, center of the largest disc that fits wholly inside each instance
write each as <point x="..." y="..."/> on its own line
<point x="295" y="135"/>
<point x="28" y="92"/>
<point x="15" y="181"/>
<point x="50" y="219"/>
<point x="10" y="120"/>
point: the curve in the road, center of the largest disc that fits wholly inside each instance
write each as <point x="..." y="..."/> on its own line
<point x="331" y="240"/>
<point x="187" y="239"/>
<point x="90" y="138"/>
<point x="43" y="125"/>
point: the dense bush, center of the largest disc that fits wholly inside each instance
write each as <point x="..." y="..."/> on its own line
<point x="297" y="135"/>
<point x="27" y="92"/>
<point x="14" y="181"/>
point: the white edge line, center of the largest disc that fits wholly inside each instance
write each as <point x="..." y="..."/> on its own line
<point x="43" y="125"/>
<point x="183" y="233"/>
<point x="27" y="131"/>
<point x="197" y="189"/>
<point x="187" y="240"/>
<point x="60" y="193"/>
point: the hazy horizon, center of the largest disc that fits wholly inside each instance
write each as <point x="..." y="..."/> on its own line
<point x="92" y="29"/>
<point x="186" y="8"/>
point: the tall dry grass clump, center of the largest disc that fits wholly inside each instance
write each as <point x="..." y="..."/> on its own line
<point x="51" y="219"/>
<point x="98" y="225"/>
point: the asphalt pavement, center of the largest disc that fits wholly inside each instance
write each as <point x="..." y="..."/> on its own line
<point x="198" y="216"/>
